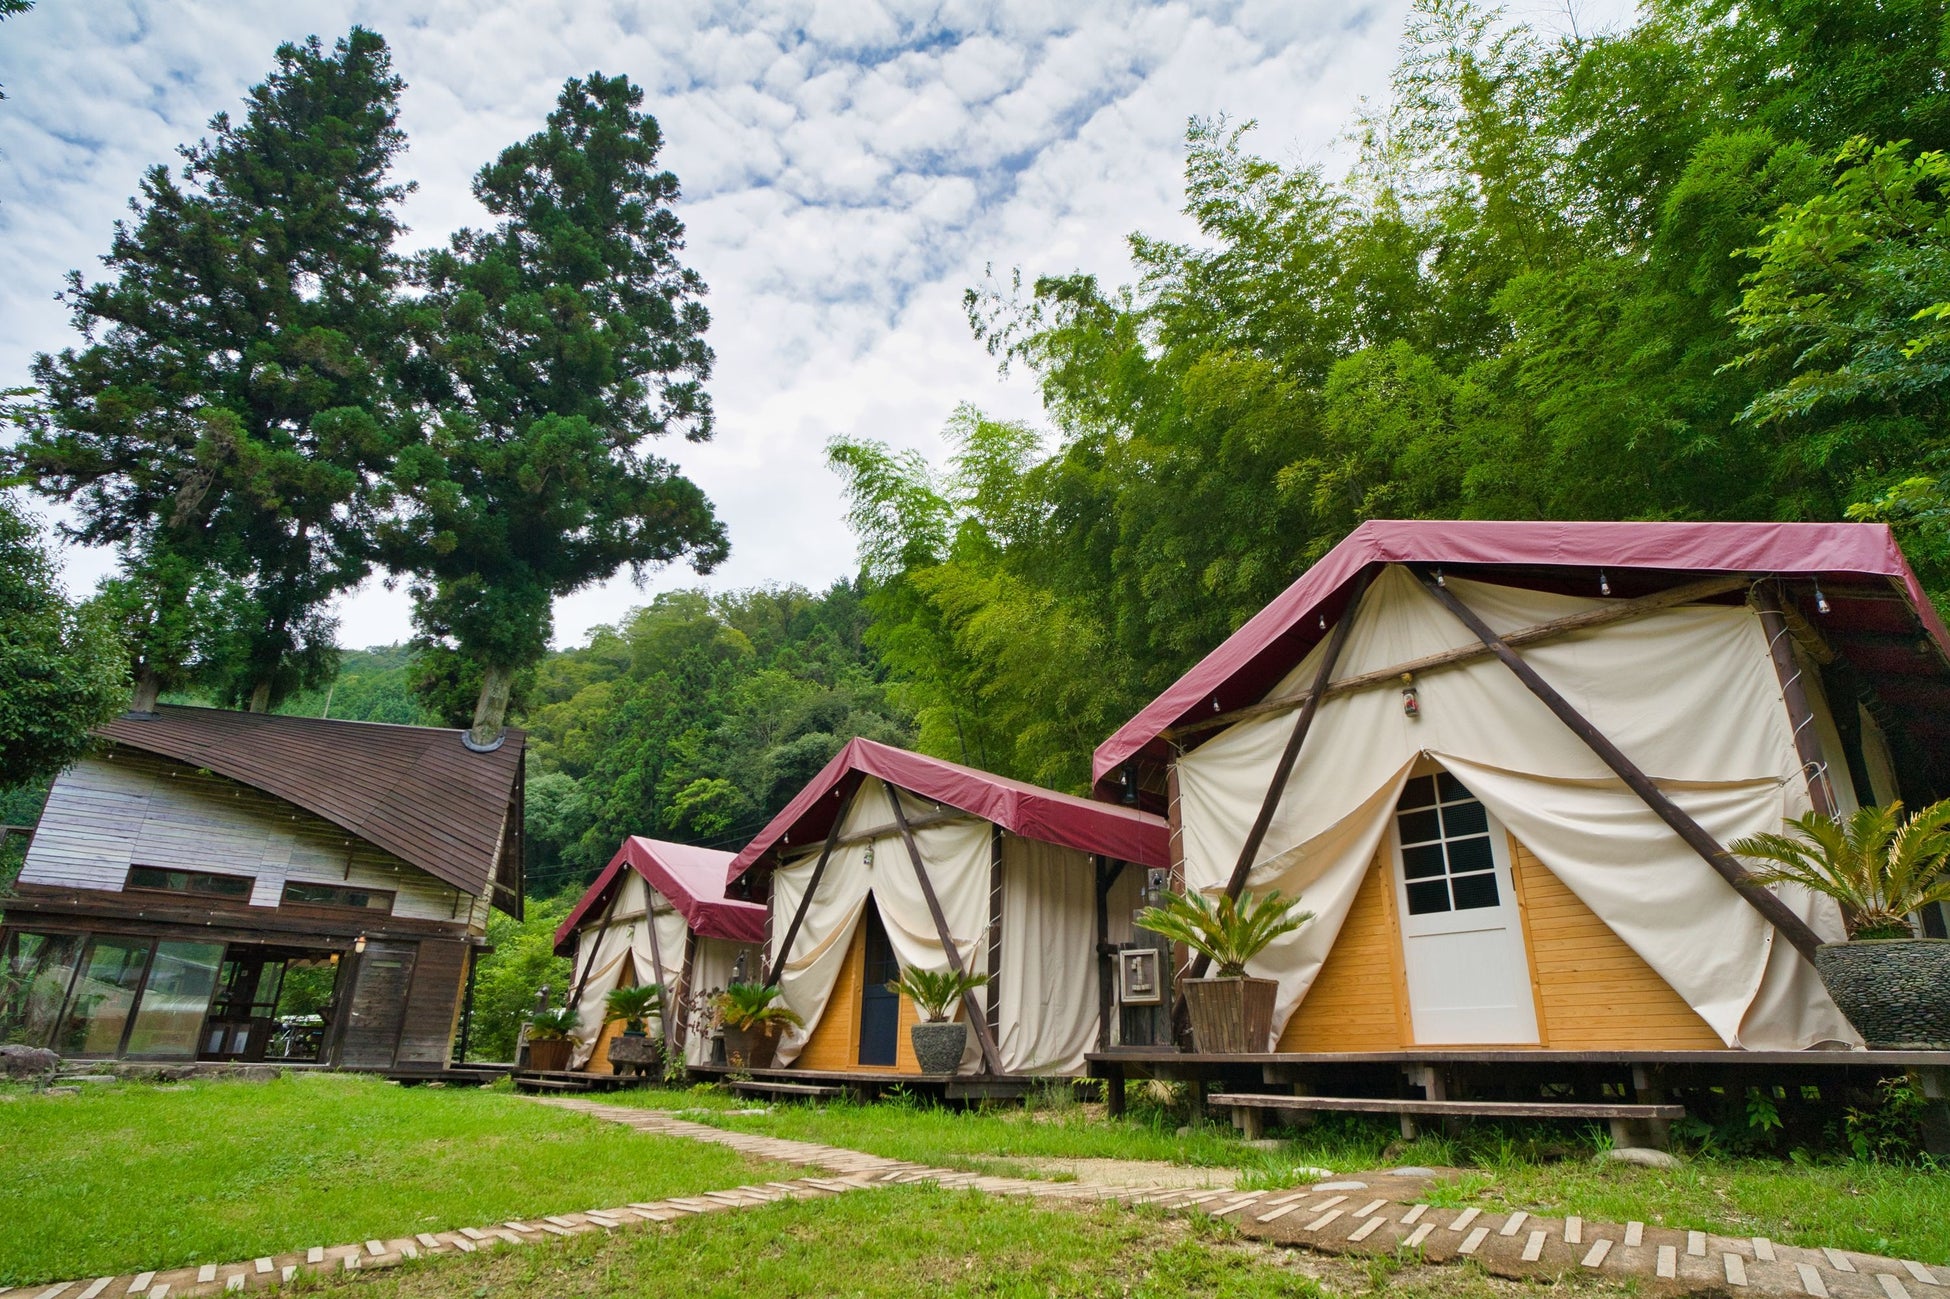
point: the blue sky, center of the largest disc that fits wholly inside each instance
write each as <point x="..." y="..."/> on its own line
<point x="849" y="167"/>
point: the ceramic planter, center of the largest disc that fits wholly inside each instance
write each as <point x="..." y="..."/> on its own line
<point x="939" y="1046"/>
<point x="1230" y="1016"/>
<point x="1896" y="991"/>
<point x="751" y="1048"/>
<point x="549" y="1054"/>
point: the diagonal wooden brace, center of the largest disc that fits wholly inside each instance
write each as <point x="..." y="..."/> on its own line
<point x="812" y="885"/>
<point x="977" y="1018"/>
<point x="1791" y="926"/>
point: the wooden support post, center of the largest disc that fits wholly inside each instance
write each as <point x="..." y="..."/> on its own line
<point x="675" y="1002"/>
<point x="1934" y="1083"/>
<point x="1791" y="927"/>
<point x="991" y="1054"/>
<point x="589" y="959"/>
<point x="1794" y="693"/>
<point x="1113" y="1090"/>
<point x="819" y="871"/>
<point x="657" y="959"/>
<point x="992" y="1004"/>
<point x="1105" y="970"/>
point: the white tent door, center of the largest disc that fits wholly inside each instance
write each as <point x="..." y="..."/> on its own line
<point x="1462" y="940"/>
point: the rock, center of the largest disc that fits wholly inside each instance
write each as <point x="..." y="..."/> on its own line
<point x="62" y="1091"/>
<point x="88" y="1078"/>
<point x="1341" y="1186"/>
<point x="1265" y="1143"/>
<point x="1411" y="1170"/>
<point x="1641" y="1156"/>
<point x="27" y="1061"/>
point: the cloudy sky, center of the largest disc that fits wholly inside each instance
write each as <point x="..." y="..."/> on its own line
<point x="849" y="166"/>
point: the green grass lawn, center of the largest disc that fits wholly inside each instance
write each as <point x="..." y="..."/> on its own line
<point x="1546" y="1169"/>
<point x="129" y="1177"/>
<point x="909" y="1242"/>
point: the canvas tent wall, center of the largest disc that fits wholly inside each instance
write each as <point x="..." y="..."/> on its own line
<point x="1023" y="879"/>
<point x="1588" y="876"/>
<point x="657" y="914"/>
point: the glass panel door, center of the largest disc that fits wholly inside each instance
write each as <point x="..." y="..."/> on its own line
<point x="175" y="999"/>
<point x="35" y="970"/>
<point x="103" y="993"/>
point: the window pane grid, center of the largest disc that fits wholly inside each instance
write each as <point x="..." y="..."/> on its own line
<point x="1448" y="862"/>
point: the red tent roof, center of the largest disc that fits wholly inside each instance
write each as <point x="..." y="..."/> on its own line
<point x="1028" y="810"/>
<point x="693" y="879"/>
<point x="1636" y="558"/>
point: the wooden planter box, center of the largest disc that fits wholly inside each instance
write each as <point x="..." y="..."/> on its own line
<point x="749" y="1049"/>
<point x="549" y="1055"/>
<point x="1231" y="1016"/>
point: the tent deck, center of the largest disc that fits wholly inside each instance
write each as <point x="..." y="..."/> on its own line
<point x="867" y="1083"/>
<point x="1704" y="1080"/>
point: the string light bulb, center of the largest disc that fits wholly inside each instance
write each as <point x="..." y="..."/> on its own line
<point x="1604" y="583"/>
<point x="1438" y="578"/>
<point x="1821" y="601"/>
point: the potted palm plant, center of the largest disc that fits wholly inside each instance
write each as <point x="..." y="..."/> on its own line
<point x="1230" y="1012"/>
<point x="632" y="1007"/>
<point x="551" y="1039"/>
<point x="1883" y="868"/>
<point x="753" y="1018"/>
<point x="938" y="1040"/>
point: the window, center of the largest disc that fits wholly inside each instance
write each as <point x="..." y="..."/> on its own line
<point x="175" y="999"/>
<point x="200" y="883"/>
<point x="338" y="895"/>
<point x="35" y="971"/>
<point x="1447" y="861"/>
<point x="104" y="993"/>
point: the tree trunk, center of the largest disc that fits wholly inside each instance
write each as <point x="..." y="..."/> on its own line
<point x="261" y="697"/>
<point x="491" y="709"/>
<point x="147" y="686"/>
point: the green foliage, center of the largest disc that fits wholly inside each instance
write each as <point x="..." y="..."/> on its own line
<point x="230" y="409"/>
<point x="935" y="993"/>
<point x="557" y="1023"/>
<point x="551" y="348"/>
<point x="1229" y="932"/>
<point x="61" y="668"/>
<point x="1881" y="866"/>
<point x="634" y="1005"/>
<point x="1890" y="1128"/>
<point x="746" y="1006"/>
<point x="507" y="979"/>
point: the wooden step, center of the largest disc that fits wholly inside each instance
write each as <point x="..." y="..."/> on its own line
<point x="527" y="1083"/>
<point x="761" y="1087"/>
<point x="1458" y="1109"/>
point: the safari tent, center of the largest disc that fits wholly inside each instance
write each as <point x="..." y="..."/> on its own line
<point x="657" y="914"/>
<point x="1498" y="761"/>
<point x="891" y="859"/>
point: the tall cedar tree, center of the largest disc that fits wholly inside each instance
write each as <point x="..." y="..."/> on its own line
<point x="229" y="410"/>
<point x="60" y="672"/>
<point x="549" y="349"/>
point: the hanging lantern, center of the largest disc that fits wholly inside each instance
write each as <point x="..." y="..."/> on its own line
<point x="1411" y="705"/>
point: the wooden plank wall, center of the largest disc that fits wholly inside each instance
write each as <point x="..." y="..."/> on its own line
<point x="433" y="1006"/>
<point x="1359" y="1001"/>
<point x="105" y="814"/>
<point x="373" y="1027"/>
<point x="1594" y="992"/>
<point x="835" y="1043"/>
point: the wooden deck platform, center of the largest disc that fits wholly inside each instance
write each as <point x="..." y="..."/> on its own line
<point x="867" y="1084"/>
<point x="1703" y="1081"/>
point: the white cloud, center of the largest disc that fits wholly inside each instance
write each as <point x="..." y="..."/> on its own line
<point x="848" y="167"/>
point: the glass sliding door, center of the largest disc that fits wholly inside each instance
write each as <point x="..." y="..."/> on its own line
<point x="35" y="971"/>
<point x="104" y="992"/>
<point x="175" y="999"/>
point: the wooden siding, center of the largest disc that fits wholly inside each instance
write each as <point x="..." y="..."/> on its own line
<point x="835" y="1042"/>
<point x="433" y="1007"/>
<point x="1359" y="1001"/>
<point x="1594" y="992"/>
<point x="105" y="814"/>
<point x="372" y="1031"/>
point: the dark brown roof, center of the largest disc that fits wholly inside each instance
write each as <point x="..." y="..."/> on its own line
<point x="415" y="791"/>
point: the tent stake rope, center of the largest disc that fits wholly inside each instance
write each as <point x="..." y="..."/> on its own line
<point x="1791" y="926"/>
<point x="977" y="1017"/>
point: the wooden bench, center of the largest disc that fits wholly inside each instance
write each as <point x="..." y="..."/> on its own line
<point x="806" y="1091"/>
<point x="1632" y="1124"/>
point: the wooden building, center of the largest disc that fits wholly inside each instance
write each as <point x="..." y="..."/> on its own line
<point x="890" y="859"/>
<point x="216" y="885"/>
<point x="1499" y="763"/>
<point x="658" y="914"/>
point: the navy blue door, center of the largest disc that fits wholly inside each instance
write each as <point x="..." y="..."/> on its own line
<point x="880" y="1007"/>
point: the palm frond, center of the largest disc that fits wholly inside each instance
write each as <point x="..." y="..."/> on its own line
<point x="1227" y="932"/>
<point x="1881" y="867"/>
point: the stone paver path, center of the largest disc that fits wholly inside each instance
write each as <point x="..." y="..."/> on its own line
<point x="1378" y="1213"/>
